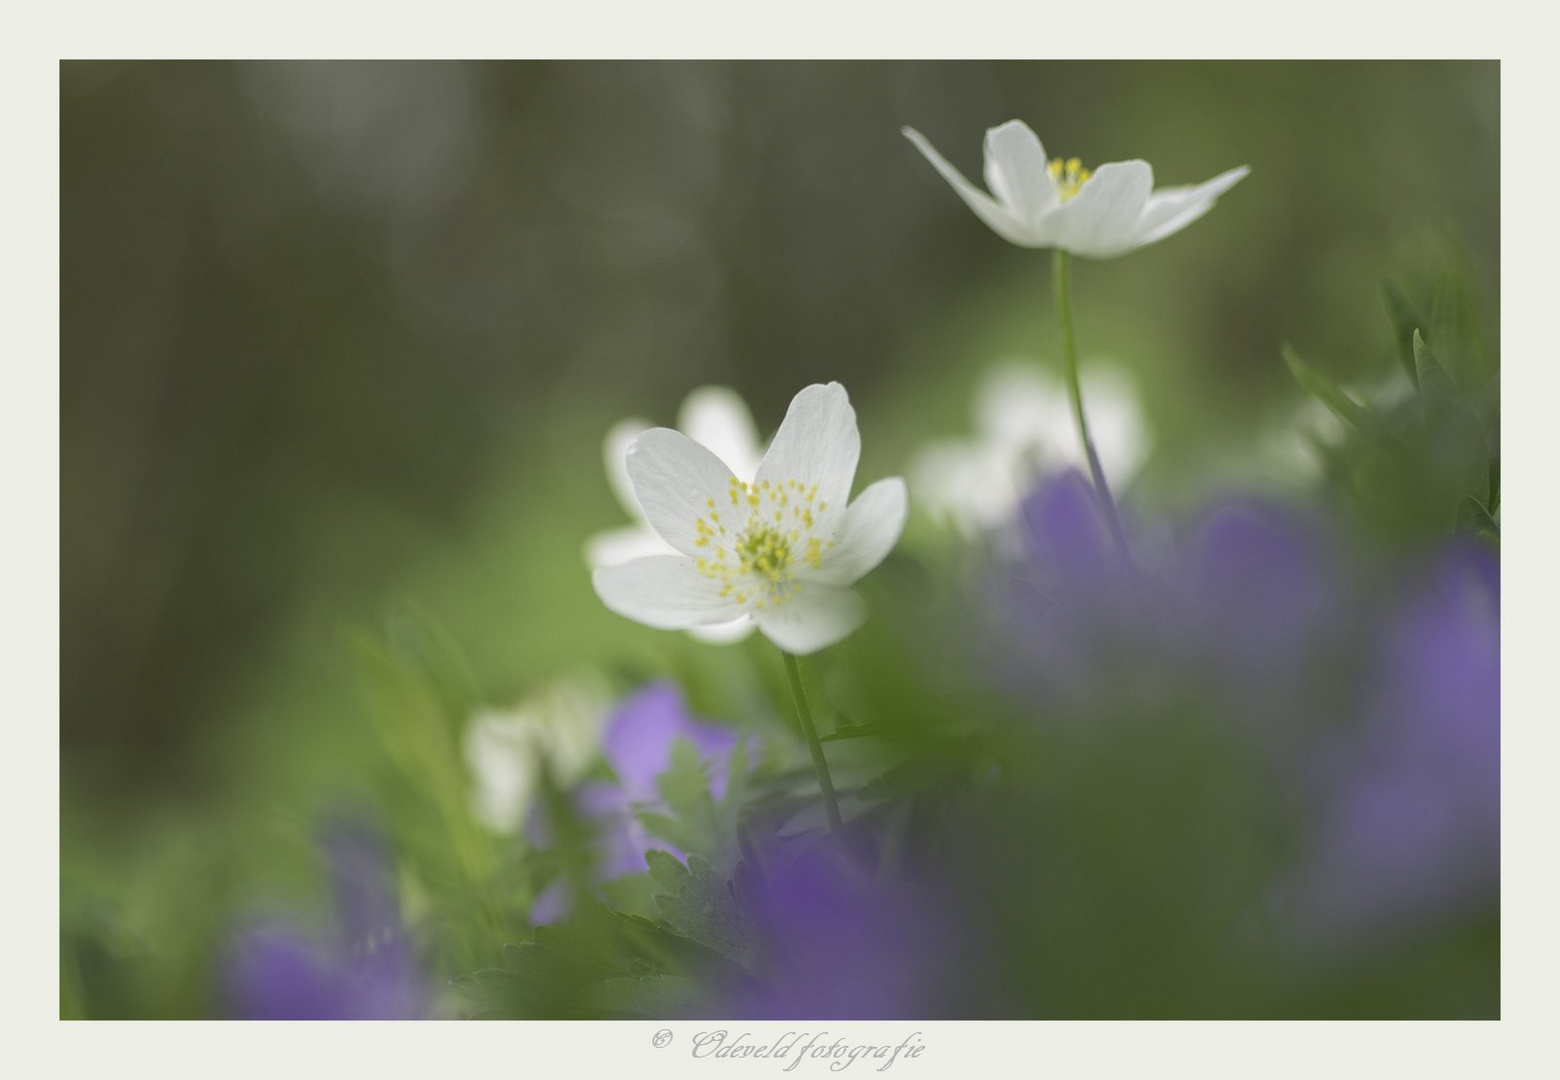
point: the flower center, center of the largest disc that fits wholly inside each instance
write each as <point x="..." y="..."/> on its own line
<point x="758" y="542"/>
<point x="1069" y="176"/>
<point x="765" y="552"/>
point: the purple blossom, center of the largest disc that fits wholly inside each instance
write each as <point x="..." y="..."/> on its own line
<point x="1240" y="603"/>
<point x="639" y="739"/>
<point x="1263" y="586"/>
<point x="638" y="745"/>
<point x="363" y="968"/>
<point x="1410" y="827"/>
<point x="1374" y="699"/>
<point x="837" y="943"/>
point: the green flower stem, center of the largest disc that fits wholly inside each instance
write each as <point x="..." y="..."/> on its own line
<point x="831" y="806"/>
<point x="1070" y="356"/>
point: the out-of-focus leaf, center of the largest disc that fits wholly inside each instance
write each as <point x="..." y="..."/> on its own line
<point x="423" y="643"/>
<point x="1405" y="321"/>
<point x="599" y="963"/>
<point x="1456" y="447"/>
<point x="649" y="996"/>
<point x="1454" y="331"/>
<point x="1473" y="517"/>
<point x="1329" y="394"/>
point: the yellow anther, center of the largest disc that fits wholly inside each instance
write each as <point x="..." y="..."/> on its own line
<point x="1069" y="176"/>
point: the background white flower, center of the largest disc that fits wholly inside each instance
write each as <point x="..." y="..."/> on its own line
<point x="1023" y="425"/>
<point x="781" y="550"/>
<point x="1060" y="204"/>
<point x="716" y="418"/>
<point x="503" y="749"/>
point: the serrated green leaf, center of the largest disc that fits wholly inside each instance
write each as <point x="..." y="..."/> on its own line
<point x="671" y="829"/>
<point x="649" y="996"/>
<point x="684" y="786"/>
<point x="697" y="904"/>
<point x="1405" y="321"/>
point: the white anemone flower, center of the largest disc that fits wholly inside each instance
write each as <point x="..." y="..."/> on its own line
<point x="1097" y="214"/>
<point x="1023" y="425"/>
<point x="782" y="550"/>
<point x="561" y="722"/>
<point x="716" y="418"/>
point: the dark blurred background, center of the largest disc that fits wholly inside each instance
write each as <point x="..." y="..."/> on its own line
<point x="337" y="333"/>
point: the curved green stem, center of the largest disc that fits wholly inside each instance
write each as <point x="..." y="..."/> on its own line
<point x="831" y="806"/>
<point x="1063" y="283"/>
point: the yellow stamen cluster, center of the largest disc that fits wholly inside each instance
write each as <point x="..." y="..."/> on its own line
<point x="771" y="536"/>
<point x="1069" y="175"/>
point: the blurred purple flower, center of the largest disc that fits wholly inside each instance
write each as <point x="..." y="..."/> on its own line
<point x="639" y="738"/>
<point x="1072" y="605"/>
<point x="835" y="943"/>
<point x="364" y="969"/>
<point x="1411" y="825"/>
<point x="1263" y="587"/>
<point x="638" y="746"/>
<point x="1237" y="610"/>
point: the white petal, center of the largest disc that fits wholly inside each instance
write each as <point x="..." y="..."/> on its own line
<point x="663" y="591"/>
<point x="726" y="633"/>
<point x="999" y="218"/>
<point x="1021" y="407"/>
<point x="1169" y="210"/>
<point x="674" y="478"/>
<point x="614" y="547"/>
<point x="968" y="482"/>
<point x="817" y="444"/>
<point x="1100" y="221"/>
<point x="814" y="618"/>
<point x="717" y="418"/>
<point x="1016" y="172"/>
<point x="872" y="527"/>
<point x="499" y="753"/>
<point x="614" y="452"/>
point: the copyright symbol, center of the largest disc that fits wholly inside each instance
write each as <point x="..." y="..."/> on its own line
<point x="662" y="1037"/>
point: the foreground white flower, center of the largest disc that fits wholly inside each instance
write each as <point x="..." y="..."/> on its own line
<point x="1060" y="204"/>
<point x="1023" y="424"/>
<point x="718" y="419"/>
<point x="781" y="550"/>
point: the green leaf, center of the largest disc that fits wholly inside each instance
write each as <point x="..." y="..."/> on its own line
<point x="598" y="963"/>
<point x="1473" y="517"/>
<point x="427" y="648"/>
<point x="1405" y="321"/>
<point x="1346" y="408"/>
<point x="854" y="731"/>
<point x="1456" y="449"/>
<point x="697" y="904"/>
<point x="1454" y="330"/>
<point x="650" y="997"/>
<point x="1433" y="382"/>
